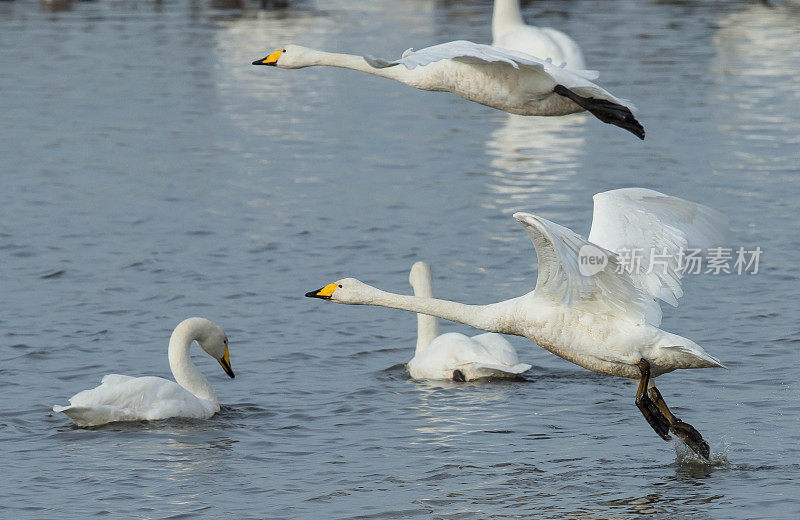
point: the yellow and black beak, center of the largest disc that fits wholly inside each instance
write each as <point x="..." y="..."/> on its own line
<point x="226" y="364"/>
<point x="324" y="293"/>
<point x="271" y="60"/>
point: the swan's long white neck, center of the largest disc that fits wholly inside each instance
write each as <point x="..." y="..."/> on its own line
<point x="506" y="15"/>
<point x="353" y="62"/>
<point x="496" y="317"/>
<point x="427" y="326"/>
<point x="180" y="362"/>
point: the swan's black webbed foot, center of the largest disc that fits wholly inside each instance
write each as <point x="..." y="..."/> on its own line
<point x="604" y="110"/>
<point x="684" y="430"/>
<point x="458" y="376"/>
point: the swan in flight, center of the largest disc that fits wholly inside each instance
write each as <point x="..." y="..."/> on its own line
<point x="599" y="315"/>
<point x="510" y="32"/>
<point x="507" y="80"/>
<point x="453" y="355"/>
<point x="126" y="398"/>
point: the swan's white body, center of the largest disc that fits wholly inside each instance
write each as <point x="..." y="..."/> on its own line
<point x="126" y="398"/>
<point x="508" y="80"/>
<point x="607" y="321"/>
<point x="510" y="32"/>
<point x="440" y="356"/>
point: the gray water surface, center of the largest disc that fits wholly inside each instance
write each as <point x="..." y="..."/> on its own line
<point x="150" y="173"/>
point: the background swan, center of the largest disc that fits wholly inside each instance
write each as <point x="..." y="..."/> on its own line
<point x="507" y="80"/>
<point x="510" y="32"/>
<point x="126" y="398"/>
<point x="605" y="321"/>
<point x="453" y="355"/>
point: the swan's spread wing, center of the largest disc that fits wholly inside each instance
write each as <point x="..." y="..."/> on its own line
<point x="652" y="230"/>
<point x="607" y="291"/>
<point x="462" y="50"/>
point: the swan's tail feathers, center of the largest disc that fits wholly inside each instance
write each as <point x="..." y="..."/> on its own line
<point x="698" y="358"/>
<point x="379" y="63"/>
<point x="590" y="75"/>
<point x="604" y="110"/>
<point x="80" y="415"/>
<point x="84" y="416"/>
<point x="483" y="370"/>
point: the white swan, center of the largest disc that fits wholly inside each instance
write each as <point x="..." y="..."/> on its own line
<point x="126" y="398"/>
<point x="453" y="355"/>
<point x="606" y="321"/>
<point x="510" y="32"/>
<point x="507" y="80"/>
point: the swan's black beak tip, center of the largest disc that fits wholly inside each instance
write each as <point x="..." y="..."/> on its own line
<point x="226" y="365"/>
<point x="262" y="62"/>
<point x="316" y="294"/>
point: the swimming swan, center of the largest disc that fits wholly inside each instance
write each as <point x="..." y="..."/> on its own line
<point x="510" y="32"/>
<point x="605" y="321"/>
<point x="507" y="80"/>
<point x="453" y="355"/>
<point x="126" y="398"/>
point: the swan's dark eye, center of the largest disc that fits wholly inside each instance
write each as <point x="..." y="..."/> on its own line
<point x="284" y="50"/>
<point x="340" y="286"/>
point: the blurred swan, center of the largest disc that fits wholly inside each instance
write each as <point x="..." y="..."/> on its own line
<point x="510" y="32"/>
<point x="507" y="80"/>
<point x="126" y="398"/>
<point x="605" y="319"/>
<point x="452" y="355"/>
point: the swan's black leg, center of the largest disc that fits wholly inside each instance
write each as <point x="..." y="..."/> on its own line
<point x="648" y="408"/>
<point x="604" y="110"/>
<point x="685" y="431"/>
<point x="458" y="376"/>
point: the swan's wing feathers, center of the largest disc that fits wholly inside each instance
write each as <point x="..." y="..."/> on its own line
<point x="115" y="379"/>
<point x="497" y="349"/>
<point x="469" y="52"/>
<point x="131" y="393"/>
<point x="610" y="290"/>
<point x="652" y="231"/>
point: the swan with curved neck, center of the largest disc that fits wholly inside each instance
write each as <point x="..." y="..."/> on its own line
<point x="504" y="79"/>
<point x="126" y="398"/>
<point x="604" y="318"/>
<point x="510" y="32"/>
<point x="453" y="355"/>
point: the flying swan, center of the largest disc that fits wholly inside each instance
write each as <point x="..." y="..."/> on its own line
<point x="510" y="32"/>
<point x="126" y="398"/>
<point x="507" y="80"/>
<point x="453" y="355"/>
<point x="605" y="321"/>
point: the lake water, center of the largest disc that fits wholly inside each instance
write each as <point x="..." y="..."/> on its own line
<point x="150" y="173"/>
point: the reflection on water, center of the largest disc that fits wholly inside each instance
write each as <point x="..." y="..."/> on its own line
<point x="757" y="61"/>
<point x="531" y="155"/>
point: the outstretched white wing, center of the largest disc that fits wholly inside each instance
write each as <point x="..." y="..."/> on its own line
<point x="462" y="50"/>
<point x="560" y="279"/>
<point x="653" y="230"/>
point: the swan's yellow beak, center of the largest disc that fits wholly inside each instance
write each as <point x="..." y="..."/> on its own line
<point x="271" y="60"/>
<point x="226" y="363"/>
<point x="324" y="293"/>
